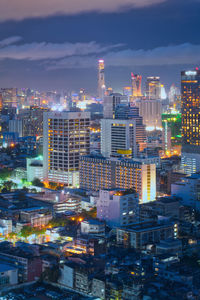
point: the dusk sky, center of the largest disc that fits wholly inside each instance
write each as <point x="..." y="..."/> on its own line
<point x="55" y="44"/>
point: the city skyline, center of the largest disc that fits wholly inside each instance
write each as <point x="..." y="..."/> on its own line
<point x="48" y="49"/>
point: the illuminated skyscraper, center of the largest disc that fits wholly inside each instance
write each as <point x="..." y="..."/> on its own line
<point x="153" y="88"/>
<point x="136" y="81"/>
<point x="66" y="137"/>
<point x="101" y="79"/>
<point x="190" y="103"/>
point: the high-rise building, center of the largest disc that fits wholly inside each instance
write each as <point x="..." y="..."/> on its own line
<point x="9" y="97"/>
<point x="98" y="173"/>
<point x="118" y="207"/>
<point x="127" y="112"/>
<point x="190" y="103"/>
<point x="136" y="82"/>
<point x="101" y="79"/>
<point x="153" y="88"/>
<point x="150" y="111"/>
<point x="118" y="137"/>
<point x="110" y="103"/>
<point x="66" y="136"/>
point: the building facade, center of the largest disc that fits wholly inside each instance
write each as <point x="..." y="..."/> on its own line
<point x="98" y="173"/>
<point x="118" y="207"/>
<point x="118" y="136"/>
<point x="190" y="108"/>
<point x="66" y="138"/>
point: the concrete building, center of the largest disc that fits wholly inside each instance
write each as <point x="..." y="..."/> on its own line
<point x="98" y="173"/>
<point x="16" y="125"/>
<point x="66" y="138"/>
<point x="150" y="111"/>
<point x="118" y="207"/>
<point x="5" y="226"/>
<point x="118" y="137"/>
<point x="93" y="227"/>
<point x="110" y="103"/>
<point x="8" y="275"/>
<point x="140" y="235"/>
<point x="34" y="168"/>
<point x="153" y="88"/>
<point x="189" y="190"/>
<point x="126" y="112"/>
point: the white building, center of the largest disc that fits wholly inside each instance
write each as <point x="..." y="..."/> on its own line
<point x="94" y="227"/>
<point x="34" y="167"/>
<point x="118" y="207"/>
<point x="8" y="275"/>
<point x="5" y="226"/>
<point x="118" y="136"/>
<point x="189" y="190"/>
<point x="190" y="163"/>
<point x="111" y="102"/>
<point x="66" y="138"/>
<point x="150" y="111"/>
<point x="67" y="276"/>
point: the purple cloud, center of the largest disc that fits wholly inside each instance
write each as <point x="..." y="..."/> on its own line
<point x="21" y="9"/>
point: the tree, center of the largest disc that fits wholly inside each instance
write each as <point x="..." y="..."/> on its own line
<point x="26" y="231"/>
<point x="5" y="173"/>
<point x="38" y="182"/>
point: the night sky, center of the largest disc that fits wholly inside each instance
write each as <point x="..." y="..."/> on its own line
<point x="55" y="44"/>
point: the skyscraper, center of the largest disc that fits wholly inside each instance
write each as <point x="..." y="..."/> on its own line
<point x="190" y="103"/>
<point x="153" y="88"/>
<point x="118" y="137"/>
<point x="127" y="112"/>
<point x="136" y="81"/>
<point x="110" y="103"/>
<point x="101" y="79"/>
<point x="66" y="137"/>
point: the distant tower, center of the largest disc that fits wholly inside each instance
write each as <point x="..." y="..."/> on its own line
<point x="153" y="88"/>
<point x="136" y="81"/>
<point x="101" y="79"/>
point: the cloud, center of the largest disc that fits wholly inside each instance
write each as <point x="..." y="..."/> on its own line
<point x="84" y="55"/>
<point x="45" y="51"/>
<point x="21" y="9"/>
<point x="10" y="40"/>
<point x="161" y="56"/>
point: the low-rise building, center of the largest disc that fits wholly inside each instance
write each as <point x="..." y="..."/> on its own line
<point x="118" y="207"/>
<point x="140" y="235"/>
<point x="93" y="227"/>
<point x="8" y="275"/>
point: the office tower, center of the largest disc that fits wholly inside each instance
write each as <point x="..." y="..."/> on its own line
<point x="126" y="112"/>
<point x="101" y="79"/>
<point x="9" y="97"/>
<point x="174" y="93"/>
<point x="118" y="207"/>
<point x="110" y="103"/>
<point x="16" y="125"/>
<point x="190" y="103"/>
<point x="136" y="82"/>
<point x="99" y="173"/>
<point x="118" y="137"/>
<point x="66" y="137"/>
<point x="153" y="88"/>
<point x="150" y="111"/>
